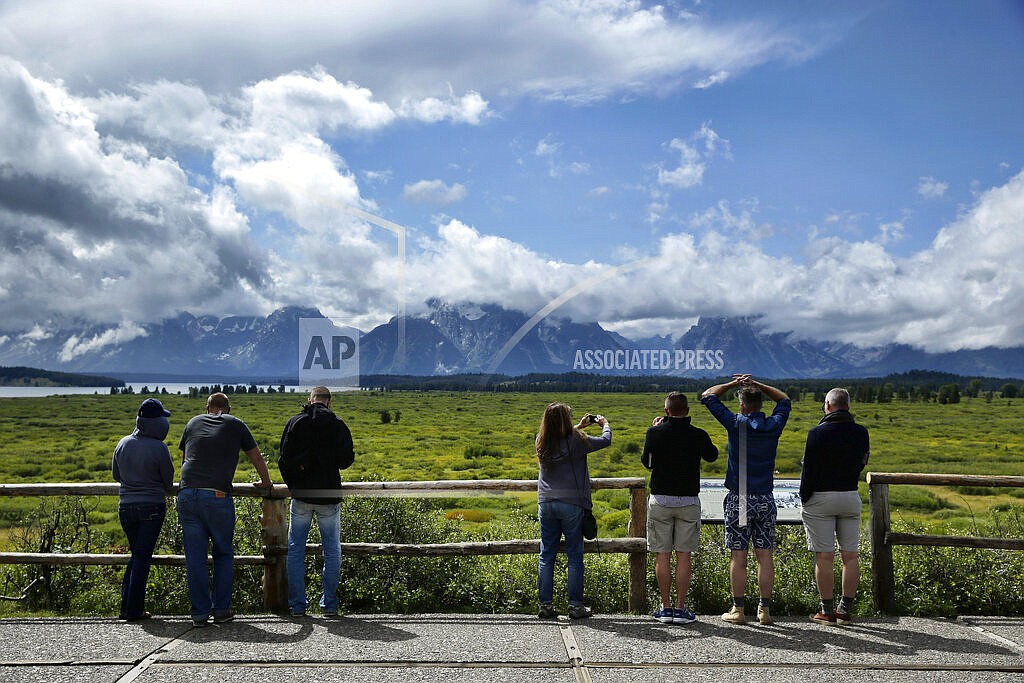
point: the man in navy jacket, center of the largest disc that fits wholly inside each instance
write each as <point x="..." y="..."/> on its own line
<point x="837" y="450"/>
<point x="673" y="451"/>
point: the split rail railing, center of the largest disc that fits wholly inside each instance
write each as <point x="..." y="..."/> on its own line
<point x="883" y="581"/>
<point x="274" y="529"/>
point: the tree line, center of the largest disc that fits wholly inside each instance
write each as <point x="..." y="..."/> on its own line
<point x="918" y="385"/>
<point x="204" y="391"/>
<point x="23" y="376"/>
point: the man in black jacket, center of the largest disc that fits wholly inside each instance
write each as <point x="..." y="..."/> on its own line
<point x="836" y="452"/>
<point x="673" y="450"/>
<point x="315" y="446"/>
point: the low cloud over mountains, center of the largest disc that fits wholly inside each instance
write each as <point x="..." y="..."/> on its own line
<point x="450" y="339"/>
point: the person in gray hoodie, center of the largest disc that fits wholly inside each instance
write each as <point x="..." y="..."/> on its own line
<point x="563" y="499"/>
<point x="142" y="465"/>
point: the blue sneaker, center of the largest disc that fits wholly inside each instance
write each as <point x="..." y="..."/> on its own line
<point x="683" y="616"/>
<point x="665" y="615"/>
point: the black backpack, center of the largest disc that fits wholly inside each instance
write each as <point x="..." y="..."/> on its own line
<point x="293" y="454"/>
<point x="294" y="459"/>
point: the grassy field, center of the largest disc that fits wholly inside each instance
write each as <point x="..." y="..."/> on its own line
<point x="435" y="435"/>
<point x="439" y="435"/>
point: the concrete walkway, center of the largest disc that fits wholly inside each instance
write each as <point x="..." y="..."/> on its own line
<point x="514" y="648"/>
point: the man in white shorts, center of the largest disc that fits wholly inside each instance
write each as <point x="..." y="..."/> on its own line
<point x="837" y="451"/>
<point x="673" y="450"/>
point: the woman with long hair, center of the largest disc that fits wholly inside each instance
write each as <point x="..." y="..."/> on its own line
<point x="563" y="498"/>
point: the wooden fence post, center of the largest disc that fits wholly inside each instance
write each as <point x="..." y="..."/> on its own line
<point x="274" y="532"/>
<point x="883" y="577"/>
<point x="638" y="560"/>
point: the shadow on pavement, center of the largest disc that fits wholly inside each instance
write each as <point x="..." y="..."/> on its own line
<point x="869" y="636"/>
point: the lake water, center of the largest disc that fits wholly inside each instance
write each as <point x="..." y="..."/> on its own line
<point x="172" y="388"/>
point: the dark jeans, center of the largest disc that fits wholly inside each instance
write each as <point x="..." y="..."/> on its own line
<point x="141" y="523"/>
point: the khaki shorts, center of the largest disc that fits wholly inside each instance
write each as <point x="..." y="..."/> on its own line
<point x="830" y="516"/>
<point x="671" y="529"/>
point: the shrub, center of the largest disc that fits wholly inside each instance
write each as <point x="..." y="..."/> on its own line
<point x="945" y="581"/>
<point x="614" y="523"/>
<point x="56" y="526"/>
<point x="469" y="515"/>
<point x="398" y="584"/>
<point x="477" y="451"/>
<point x="916" y="498"/>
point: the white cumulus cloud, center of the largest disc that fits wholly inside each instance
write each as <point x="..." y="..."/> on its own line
<point x="694" y="156"/>
<point x="930" y="188"/>
<point x="76" y="346"/>
<point x="434" y="192"/>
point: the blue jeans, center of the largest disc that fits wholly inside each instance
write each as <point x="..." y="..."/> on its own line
<point x="208" y="517"/>
<point x="328" y="518"/>
<point x="141" y="523"/>
<point x="558" y="518"/>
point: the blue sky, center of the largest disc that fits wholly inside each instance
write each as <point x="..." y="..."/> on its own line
<point x="851" y="171"/>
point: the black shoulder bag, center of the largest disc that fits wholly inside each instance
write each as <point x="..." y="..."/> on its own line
<point x="589" y="521"/>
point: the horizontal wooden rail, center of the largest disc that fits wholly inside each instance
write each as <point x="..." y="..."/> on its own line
<point x="883" y="581"/>
<point x="893" y="538"/>
<point x="511" y="547"/>
<point x="114" y="559"/>
<point x="366" y="489"/>
<point x="943" y="479"/>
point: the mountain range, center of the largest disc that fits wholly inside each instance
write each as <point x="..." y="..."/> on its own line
<point x="467" y="338"/>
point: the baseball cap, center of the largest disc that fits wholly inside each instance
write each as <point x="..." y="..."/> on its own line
<point x="153" y="408"/>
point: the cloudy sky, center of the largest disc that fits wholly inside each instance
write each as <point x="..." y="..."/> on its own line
<point x="849" y="170"/>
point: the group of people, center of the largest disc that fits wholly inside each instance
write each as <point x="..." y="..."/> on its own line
<point x="316" y="445"/>
<point x="836" y="452"/>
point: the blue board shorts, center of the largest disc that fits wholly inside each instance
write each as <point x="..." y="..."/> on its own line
<point x="761" y="516"/>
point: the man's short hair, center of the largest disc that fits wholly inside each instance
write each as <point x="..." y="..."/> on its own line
<point x="320" y="393"/>
<point x="676" y="403"/>
<point x="839" y="398"/>
<point x="751" y="397"/>
<point x="218" y="401"/>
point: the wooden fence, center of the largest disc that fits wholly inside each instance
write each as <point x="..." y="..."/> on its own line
<point x="274" y="529"/>
<point x="883" y="581"/>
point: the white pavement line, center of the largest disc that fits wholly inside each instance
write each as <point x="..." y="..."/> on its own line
<point x="994" y="636"/>
<point x="806" y="666"/>
<point x="572" y="649"/>
<point x="338" y="664"/>
<point x="148" y="661"/>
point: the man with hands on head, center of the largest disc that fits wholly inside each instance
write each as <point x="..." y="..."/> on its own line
<point x="750" y="510"/>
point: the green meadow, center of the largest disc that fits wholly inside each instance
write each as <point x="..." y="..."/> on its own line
<point x="438" y="435"/>
<point x="406" y="435"/>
